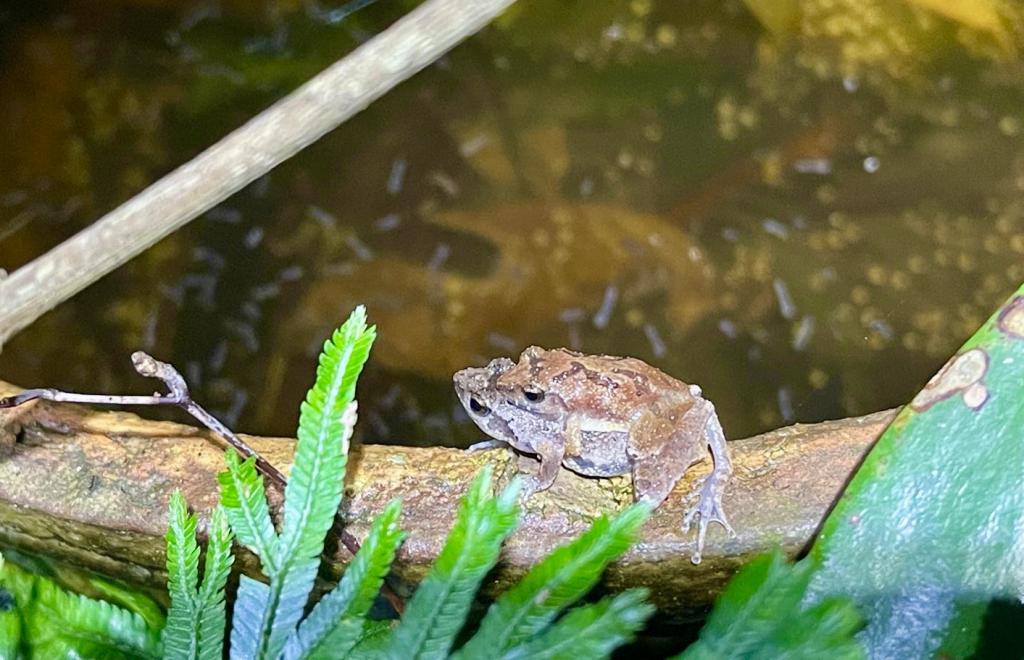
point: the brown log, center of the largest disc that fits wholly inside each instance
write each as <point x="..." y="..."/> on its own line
<point x="91" y="488"/>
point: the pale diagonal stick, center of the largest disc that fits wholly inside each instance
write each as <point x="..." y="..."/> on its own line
<point x="270" y="138"/>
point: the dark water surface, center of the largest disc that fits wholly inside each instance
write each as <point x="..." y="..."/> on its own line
<point x="804" y="213"/>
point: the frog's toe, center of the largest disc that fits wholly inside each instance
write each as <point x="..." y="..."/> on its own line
<point x="707" y="510"/>
<point x="484" y="445"/>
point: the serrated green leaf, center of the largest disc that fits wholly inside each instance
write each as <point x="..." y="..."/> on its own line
<point x="179" y="633"/>
<point x="315" y="482"/>
<point x="372" y="642"/>
<point x="10" y="620"/>
<point x="245" y="503"/>
<point x="210" y="602"/>
<point x="334" y="625"/>
<point x="437" y="611"/>
<point x="61" y="624"/>
<point x="247" y="618"/>
<point x="559" y="580"/>
<point x="133" y="601"/>
<point x="760" y="614"/>
<point x="589" y="631"/>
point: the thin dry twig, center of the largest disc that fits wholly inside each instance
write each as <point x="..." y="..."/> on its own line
<point x="178" y="395"/>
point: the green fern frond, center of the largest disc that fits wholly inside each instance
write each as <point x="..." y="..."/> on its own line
<point x="589" y="631"/>
<point x="761" y="614"/>
<point x="326" y="420"/>
<point x="179" y="633"/>
<point x="246" y="618"/>
<point x="210" y="602"/>
<point x="245" y="503"/>
<point x="133" y="601"/>
<point x="371" y="643"/>
<point x="62" y="624"/>
<point x="437" y="611"/>
<point x="335" y="624"/>
<point x="557" y="581"/>
<point x="10" y="619"/>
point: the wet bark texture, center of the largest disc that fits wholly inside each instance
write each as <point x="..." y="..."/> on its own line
<point x="91" y="487"/>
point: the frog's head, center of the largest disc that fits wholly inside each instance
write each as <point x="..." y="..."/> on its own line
<point x="478" y="393"/>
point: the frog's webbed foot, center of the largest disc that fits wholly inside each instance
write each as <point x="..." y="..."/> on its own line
<point x="708" y="509"/>
<point x="484" y="445"/>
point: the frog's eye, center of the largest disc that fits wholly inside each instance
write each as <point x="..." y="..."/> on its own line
<point x="532" y="394"/>
<point x="478" y="408"/>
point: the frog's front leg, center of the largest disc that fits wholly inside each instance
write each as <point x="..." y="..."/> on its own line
<point x="709" y="496"/>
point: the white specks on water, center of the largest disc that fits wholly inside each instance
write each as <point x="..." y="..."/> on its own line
<point x="786" y="305"/>
<point x="264" y="291"/>
<point x="253" y="238"/>
<point x="730" y="234"/>
<point x="445" y="183"/>
<point x="149" y="329"/>
<point x="251" y="310"/>
<point x="728" y="328"/>
<point x="695" y="254"/>
<point x="245" y="332"/>
<point x="775" y="228"/>
<point x="882" y="327"/>
<point x="586" y="187"/>
<point x="323" y="217"/>
<point x="851" y="84"/>
<point x="604" y="313"/>
<point x="396" y="177"/>
<point x="1008" y="360"/>
<point x="239" y="397"/>
<point x="817" y="166"/>
<point x="474" y="144"/>
<point x="572" y="315"/>
<point x="440" y="256"/>
<point x="227" y="216"/>
<point x="654" y="338"/>
<point x="291" y="274"/>
<point x="502" y="342"/>
<point x="388" y="222"/>
<point x="194" y="374"/>
<point x="205" y="286"/>
<point x="803" y="332"/>
<point x="205" y="255"/>
<point x="218" y="357"/>
<point x="871" y="164"/>
<point x="785" y="398"/>
<point x="359" y="248"/>
<point x="614" y="32"/>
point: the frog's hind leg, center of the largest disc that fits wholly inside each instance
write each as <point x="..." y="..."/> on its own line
<point x="708" y="508"/>
<point x="662" y="451"/>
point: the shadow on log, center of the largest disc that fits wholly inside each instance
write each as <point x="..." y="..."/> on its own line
<point x="91" y="488"/>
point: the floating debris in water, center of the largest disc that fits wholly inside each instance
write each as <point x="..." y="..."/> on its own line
<point x="730" y="234"/>
<point x="654" y="338"/>
<point x="323" y="217"/>
<point x="503" y="342"/>
<point x="871" y="164"/>
<point x="785" y="398"/>
<point x="786" y="305"/>
<point x="728" y="328"/>
<point x="803" y="333"/>
<point x="218" y="356"/>
<point x="291" y="274"/>
<point x="775" y="228"/>
<point x="471" y="146"/>
<point x="818" y="166"/>
<point x="604" y="313"/>
<point x="440" y="256"/>
<point x="245" y="332"/>
<point x="265" y="291"/>
<point x="572" y="314"/>
<point x="205" y="255"/>
<point x="445" y="183"/>
<point x="253" y="238"/>
<point x="396" y="177"/>
<point x="361" y="249"/>
<point x="229" y="216"/>
<point x="388" y="222"/>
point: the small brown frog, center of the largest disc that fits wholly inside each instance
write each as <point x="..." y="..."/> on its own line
<point x="602" y="416"/>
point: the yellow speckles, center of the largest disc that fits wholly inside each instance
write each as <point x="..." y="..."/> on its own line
<point x="917" y="264"/>
<point x="876" y="274"/>
<point x="1009" y="125"/>
<point x="942" y="258"/>
<point x="653" y="132"/>
<point x="966" y="262"/>
<point x="1017" y="243"/>
<point x="817" y="378"/>
<point x="860" y="295"/>
<point x="564" y="235"/>
<point x="900" y="280"/>
<point x="624" y="159"/>
<point x="666" y="35"/>
<point x="912" y="341"/>
<point x="635" y="317"/>
<point x="640" y="8"/>
<point x="540" y="237"/>
<point x="992" y="244"/>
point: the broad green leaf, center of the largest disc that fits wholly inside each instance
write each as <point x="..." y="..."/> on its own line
<point x="130" y="599"/>
<point x="10" y="620"/>
<point x="335" y="624"/>
<point x="935" y="510"/>
<point x="760" y="614"/>
<point x="437" y="611"/>
<point x="180" y="633"/>
<point x="556" y="582"/>
<point x="315" y="482"/>
<point x="589" y="631"/>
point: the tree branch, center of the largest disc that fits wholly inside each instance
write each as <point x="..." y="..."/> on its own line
<point x="267" y="140"/>
<point x="92" y="487"/>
